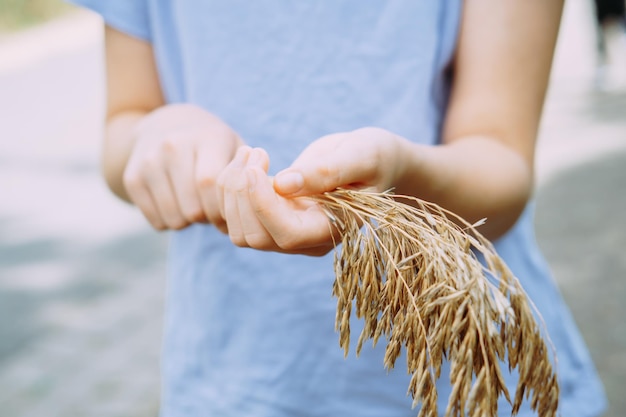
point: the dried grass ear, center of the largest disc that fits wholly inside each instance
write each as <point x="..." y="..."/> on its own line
<point x="412" y="273"/>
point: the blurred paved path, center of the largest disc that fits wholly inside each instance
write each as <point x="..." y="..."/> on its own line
<point x="82" y="277"/>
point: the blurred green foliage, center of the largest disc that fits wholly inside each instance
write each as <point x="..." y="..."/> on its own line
<point x="19" y="14"/>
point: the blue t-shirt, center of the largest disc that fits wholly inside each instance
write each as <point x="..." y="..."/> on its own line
<point x="252" y="333"/>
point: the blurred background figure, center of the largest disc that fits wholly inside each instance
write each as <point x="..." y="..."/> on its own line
<point x="611" y="43"/>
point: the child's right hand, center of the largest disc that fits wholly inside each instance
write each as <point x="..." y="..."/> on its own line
<point x="179" y="152"/>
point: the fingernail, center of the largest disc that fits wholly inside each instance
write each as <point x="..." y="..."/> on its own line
<point x="288" y="182"/>
<point x="255" y="157"/>
<point x="242" y="153"/>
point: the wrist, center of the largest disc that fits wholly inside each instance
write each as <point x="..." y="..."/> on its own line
<point x="117" y="147"/>
<point x="416" y="170"/>
<point x="476" y="177"/>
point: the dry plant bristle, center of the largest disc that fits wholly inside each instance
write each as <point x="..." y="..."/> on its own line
<point x="412" y="273"/>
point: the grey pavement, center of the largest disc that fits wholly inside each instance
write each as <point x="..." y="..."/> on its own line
<point x="82" y="276"/>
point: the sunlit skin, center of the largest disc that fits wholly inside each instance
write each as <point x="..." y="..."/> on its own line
<point x="180" y="164"/>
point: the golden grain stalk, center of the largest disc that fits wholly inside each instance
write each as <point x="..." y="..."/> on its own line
<point x="411" y="271"/>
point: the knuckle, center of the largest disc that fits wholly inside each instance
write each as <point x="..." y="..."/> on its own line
<point x="157" y="224"/>
<point x="178" y="224"/>
<point x="262" y="211"/>
<point x="221" y="180"/>
<point x="138" y="172"/>
<point x="241" y="186"/>
<point x="151" y="163"/>
<point x="214" y="217"/>
<point x="371" y="164"/>
<point x="221" y="226"/>
<point x="172" y="216"/>
<point x="132" y="180"/>
<point x="169" y="145"/>
<point x="288" y="242"/>
<point x="206" y="181"/>
<point x="329" y="174"/>
<point x="324" y="170"/>
<point x="259" y="241"/>
<point x="239" y="241"/>
<point x="194" y="215"/>
<point x="169" y="142"/>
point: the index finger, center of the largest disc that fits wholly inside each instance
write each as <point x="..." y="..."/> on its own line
<point x="294" y="224"/>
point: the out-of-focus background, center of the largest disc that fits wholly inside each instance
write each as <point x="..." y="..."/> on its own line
<point x="82" y="276"/>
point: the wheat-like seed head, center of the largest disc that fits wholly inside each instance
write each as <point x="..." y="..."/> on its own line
<point x="412" y="273"/>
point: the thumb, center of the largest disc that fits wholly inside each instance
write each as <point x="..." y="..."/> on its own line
<point x="331" y="162"/>
<point x="289" y="182"/>
<point x="303" y="180"/>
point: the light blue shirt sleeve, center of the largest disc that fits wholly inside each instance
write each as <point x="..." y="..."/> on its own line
<point x="128" y="16"/>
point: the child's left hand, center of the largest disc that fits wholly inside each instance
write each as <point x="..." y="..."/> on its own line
<point x="277" y="217"/>
<point x="364" y="158"/>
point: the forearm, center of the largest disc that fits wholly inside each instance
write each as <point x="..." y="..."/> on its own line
<point x="475" y="177"/>
<point x="472" y="176"/>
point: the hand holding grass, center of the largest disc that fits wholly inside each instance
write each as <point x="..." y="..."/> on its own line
<point x="409" y="270"/>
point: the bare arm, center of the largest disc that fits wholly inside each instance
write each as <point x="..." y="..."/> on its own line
<point x="133" y="90"/>
<point x="163" y="158"/>
<point x="502" y="67"/>
<point x="485" y="166"/>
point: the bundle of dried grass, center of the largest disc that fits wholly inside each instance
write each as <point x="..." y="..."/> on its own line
<point x="412" y="273"/>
